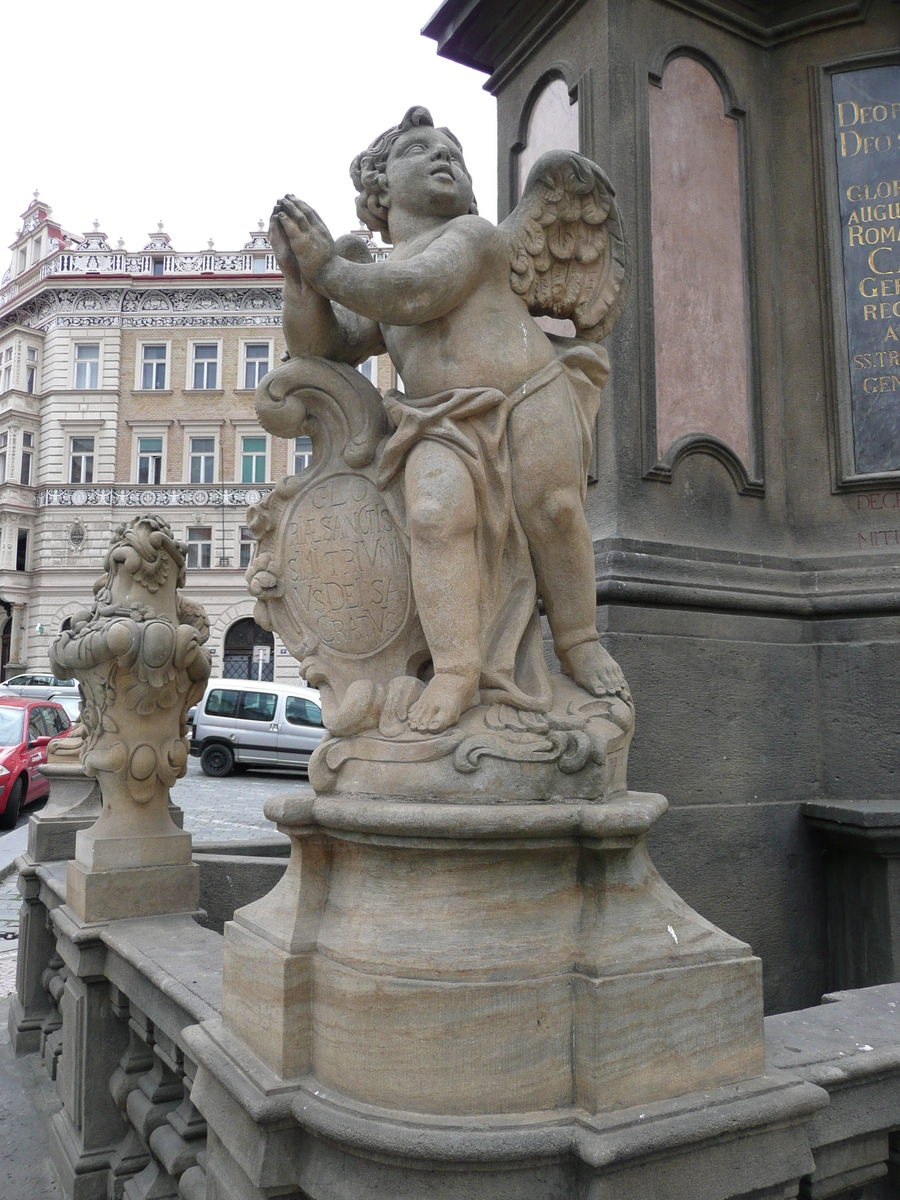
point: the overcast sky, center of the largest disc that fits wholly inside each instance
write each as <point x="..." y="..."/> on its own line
<point x="203" y="114"/>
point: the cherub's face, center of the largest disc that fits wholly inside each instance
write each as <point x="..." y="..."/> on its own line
<point x="426" y="174"/>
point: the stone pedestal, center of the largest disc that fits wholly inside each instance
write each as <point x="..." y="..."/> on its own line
<point x="120" y="872"/>
<point x="862" y="863"/>
<point x="505" y="962"/>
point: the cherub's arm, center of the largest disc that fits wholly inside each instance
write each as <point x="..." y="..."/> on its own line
<point x="410" y="292"/>
<point x="313" y="326"/>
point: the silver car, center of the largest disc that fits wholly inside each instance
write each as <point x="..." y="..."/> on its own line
<point x="242" y="722"/>
<point x="38" y="686"/>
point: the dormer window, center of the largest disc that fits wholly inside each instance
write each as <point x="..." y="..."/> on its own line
<point x="36" y="250"/>
<point x="158" y="266"/>
<point x="23" y="258"/>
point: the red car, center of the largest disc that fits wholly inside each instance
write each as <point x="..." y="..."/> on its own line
<point x="26" y="728"/>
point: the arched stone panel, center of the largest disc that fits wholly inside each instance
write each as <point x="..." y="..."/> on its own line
<point x="700" y="320"/>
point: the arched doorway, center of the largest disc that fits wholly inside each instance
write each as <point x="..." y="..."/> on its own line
<point x="238" y="651"/>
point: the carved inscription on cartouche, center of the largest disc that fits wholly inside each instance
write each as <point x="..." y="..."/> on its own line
<point x="867" y="147"/>
<point x="346" y="572"/>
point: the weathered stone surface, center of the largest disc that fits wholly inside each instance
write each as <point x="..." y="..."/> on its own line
<point x="404" y="565"/>
<point x="138" y="655"/>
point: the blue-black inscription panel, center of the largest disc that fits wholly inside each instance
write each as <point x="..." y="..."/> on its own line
<point x="867" y="146"/>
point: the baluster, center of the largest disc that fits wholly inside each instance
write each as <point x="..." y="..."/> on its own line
<point x="53" y="981"/>
<point x="180" y="1144"/>
<point x="159" y="1092"/>
<point x="132" y="1154"/>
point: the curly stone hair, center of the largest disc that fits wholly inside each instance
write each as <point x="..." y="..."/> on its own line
<point x="368" y="168"/>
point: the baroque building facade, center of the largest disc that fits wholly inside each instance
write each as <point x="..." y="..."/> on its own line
<point x="127" y="385"/>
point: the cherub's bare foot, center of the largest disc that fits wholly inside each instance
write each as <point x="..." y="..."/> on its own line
<point x="594" y="669"/>
<point x="443" y="702"/>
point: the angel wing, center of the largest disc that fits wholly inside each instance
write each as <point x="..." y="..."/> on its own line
<point x="567" y="249"/>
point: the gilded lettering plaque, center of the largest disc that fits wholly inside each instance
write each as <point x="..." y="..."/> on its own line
<point x="867" y="147"/>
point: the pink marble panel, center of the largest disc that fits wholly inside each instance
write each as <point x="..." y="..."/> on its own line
<point x="698" y="267"/>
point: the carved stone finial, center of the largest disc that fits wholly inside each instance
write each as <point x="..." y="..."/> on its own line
<point x="96" y="224"/>
<point x="36" y="193"/>
<point x="259" y="224"/>
<point x="211" y="244"/>
<point x="120" y="244"/>
<point x="138" y="655"/>
<point x="159" y="226"/>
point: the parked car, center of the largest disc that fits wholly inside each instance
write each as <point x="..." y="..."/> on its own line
<point x="243" y="722"/>
<point x="26" y="728"/>
<point x="38" y="686"/>
<point x="72" y="704"/>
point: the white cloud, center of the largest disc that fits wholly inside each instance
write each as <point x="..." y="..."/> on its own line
<point x="203" y="114"/>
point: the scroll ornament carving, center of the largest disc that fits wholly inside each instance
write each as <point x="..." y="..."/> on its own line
<point x="138" y="655"/>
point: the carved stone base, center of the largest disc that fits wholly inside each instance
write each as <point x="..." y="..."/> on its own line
<point x="487" y="958"/>
<point x="748" y="1140"/>
<point x="577" y="751"/>
<point x="74" y="804"/>
<point x="115" y="895"/>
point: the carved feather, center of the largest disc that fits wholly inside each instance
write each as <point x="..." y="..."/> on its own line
<point x="568" y="253"/>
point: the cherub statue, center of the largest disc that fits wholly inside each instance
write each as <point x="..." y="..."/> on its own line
<point x="492" y="432"/>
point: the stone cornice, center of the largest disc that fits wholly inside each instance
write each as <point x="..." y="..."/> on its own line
<point x="496" y="37"/>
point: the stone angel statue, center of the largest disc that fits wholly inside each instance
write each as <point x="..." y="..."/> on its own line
<point x="479" y="463"/>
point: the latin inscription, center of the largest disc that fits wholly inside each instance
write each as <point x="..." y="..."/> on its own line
<point x="867" y="146"/>
<point x="346" y="570"/>
<point x="887" y="505"/>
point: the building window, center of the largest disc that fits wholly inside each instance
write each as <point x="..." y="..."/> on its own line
<point x="202" y="459"/>
<point x="7" y="369"/>
<point x="302" y="454"/>
<point x="159" y="266"/>
<point x="369" y="368"/>
<point x="256" y="363"/>
<point x="246" y="547"/>
<point x="23" y="258"/>
<point x="199" y="548"/>
<point x="27" y="459"/>
<point x="153" y="368"/>
<point x="150" y="459"/>
<point x="206" y="362"/>
<point x="36" y="250"/>
<point x="4" y="443"/>
<point x="22" y="550"/>
<point x="81" y="460"/>
<point x="87" y="366"/>
<point x="259" y="264"/>
<point x="30" y="370"/>
<point x="253" y="460"/>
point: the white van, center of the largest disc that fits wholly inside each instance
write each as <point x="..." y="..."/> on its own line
<point x="248" y="723"/>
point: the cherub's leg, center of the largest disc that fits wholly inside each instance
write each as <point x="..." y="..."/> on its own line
<point x="440" y="502"/>
<point x="545" y="448"/>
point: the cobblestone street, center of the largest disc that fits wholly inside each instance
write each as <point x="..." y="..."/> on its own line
<point x="215" y="810"/>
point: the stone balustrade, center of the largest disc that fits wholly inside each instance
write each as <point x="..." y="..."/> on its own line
<point x="151" y="1108"/>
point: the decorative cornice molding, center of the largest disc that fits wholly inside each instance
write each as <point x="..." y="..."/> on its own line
<point x="82" y="307"/>
<point x="768" y="23"/>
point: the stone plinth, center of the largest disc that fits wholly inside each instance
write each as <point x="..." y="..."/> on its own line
<point x="862" y="864"/>
<point x="486" y="959"/>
